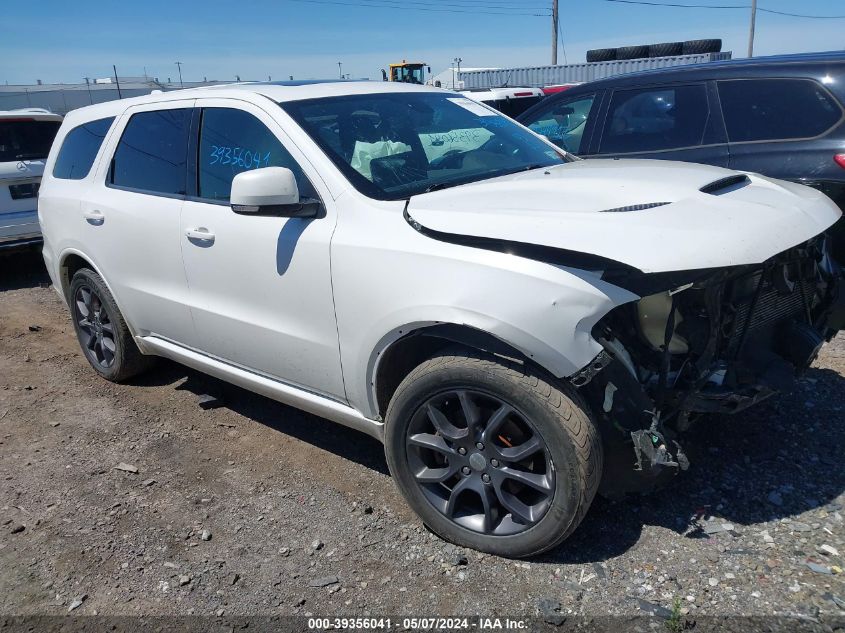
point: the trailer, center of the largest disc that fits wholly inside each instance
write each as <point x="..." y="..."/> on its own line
<point x="540" y="76"/>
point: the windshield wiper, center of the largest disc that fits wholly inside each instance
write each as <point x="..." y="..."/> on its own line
<point x="440" y="185"/>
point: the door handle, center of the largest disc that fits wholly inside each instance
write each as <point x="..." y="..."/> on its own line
<point x="200" y="234"/>
<point x="94" y="217"/>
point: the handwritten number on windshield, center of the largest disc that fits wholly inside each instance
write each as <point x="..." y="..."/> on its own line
<point x="238" y="157"/>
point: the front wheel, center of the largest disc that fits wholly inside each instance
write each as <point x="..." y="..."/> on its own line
<point x="492" y="456"/>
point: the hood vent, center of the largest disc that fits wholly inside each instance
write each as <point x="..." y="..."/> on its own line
<point x="726" y="185"/>
<point x="634" y="207"/>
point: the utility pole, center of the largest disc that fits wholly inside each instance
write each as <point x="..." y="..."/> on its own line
<point x="554" y="32"/>
<point x="340" y="69"/>
<point x="117" y="81"/>
<point x="88" y="84"/>
<point x="751" y="31"/>
<point x="179" y="66"/>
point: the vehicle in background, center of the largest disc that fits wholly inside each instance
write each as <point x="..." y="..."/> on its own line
<point x="407" y="72"/>
<point x="509" y="101"/>
<point x="25" y="139"/>
<point x="779" y="116"/>
<point x="551" y="90"/>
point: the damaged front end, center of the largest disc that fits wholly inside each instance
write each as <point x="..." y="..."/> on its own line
<point x="711" y="341"/>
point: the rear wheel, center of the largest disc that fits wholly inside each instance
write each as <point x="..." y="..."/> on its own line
<point x="492" y="456"/>
<point x="103" y="335"/>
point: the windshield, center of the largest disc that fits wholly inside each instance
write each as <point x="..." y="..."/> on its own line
<point x="395" y="145"/>
<point x="408" y="74"/>
<point x="26" y="139"/>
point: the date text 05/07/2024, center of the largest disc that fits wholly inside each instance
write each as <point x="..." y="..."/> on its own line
<point x="436" y="623"/>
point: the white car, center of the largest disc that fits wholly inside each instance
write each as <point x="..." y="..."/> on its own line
<point x="519" y="327"/>
<point x="25" y="139"/>
<point x="509" y="101"/>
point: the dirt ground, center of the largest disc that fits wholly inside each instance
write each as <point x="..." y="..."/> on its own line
<point x="257" y="508"/>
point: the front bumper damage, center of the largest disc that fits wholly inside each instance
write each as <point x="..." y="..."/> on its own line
<point x="715" y="341"/>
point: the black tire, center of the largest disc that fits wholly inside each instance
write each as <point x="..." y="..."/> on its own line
<point x="601" y="55"/>
<point x="541" y="411"/>
<point x="666" y="49"/>
<point x="632" y="52"/>
<point x="698" y="47"/>
<point x="98" y="322"/>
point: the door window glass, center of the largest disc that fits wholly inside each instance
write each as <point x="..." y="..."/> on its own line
<point x="563" y="122"/>
<point x="151" y="155"/>
<point x="233" y="141"/>
<point x="80" y="148"/>
<point x="653" y="119"/>
<point x="769" y="109"/>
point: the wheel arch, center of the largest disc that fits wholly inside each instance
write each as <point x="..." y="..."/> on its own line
<point x="415" y="344"/>
<point x="72" y="260"/>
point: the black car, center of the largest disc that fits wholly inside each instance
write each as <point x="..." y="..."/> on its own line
<point x="779" y="116"/>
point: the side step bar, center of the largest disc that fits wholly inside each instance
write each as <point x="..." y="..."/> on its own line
<point x="279" y="391"/>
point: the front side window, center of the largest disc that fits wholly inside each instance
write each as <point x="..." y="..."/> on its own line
<point x="80" y="148"/>
<point x="26" y="139"/>
<point x="563" y="122"/>
<point x="395" y="145"/>
<point x="771" y="109"/>
<point x="233" y="141"/>
<point x="152" y="153"/>
<point x="654" y="119"/>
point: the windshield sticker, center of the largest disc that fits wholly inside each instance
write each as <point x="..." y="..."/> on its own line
<point x="473" y="106"/>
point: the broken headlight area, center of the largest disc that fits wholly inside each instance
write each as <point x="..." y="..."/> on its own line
<point x="716" y="341"/>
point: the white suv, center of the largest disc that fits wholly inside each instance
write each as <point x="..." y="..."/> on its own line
<point x="519" y="327"/>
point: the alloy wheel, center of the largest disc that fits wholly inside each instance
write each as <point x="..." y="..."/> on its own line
<point x="480" y="462"/>
<point x="96" y="329"/>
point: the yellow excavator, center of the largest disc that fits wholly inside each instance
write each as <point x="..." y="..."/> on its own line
<point x="407" y="72"/>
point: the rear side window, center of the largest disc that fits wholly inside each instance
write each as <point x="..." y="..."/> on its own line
<point x="233" y="141"/>
<point x="80" y="148"/>
<point x="563" y="122"/>
<point x="770" y="109"/>
<point x="152" y="153"/>
<point x="653" y="119"/>
<point x="26" y="139"/>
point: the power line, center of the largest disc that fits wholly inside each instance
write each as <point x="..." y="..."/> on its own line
<point x="728" y="6"/>
<point x="472" y="9"/>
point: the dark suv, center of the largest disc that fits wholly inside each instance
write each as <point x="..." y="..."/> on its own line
<point x="778" y="116"/>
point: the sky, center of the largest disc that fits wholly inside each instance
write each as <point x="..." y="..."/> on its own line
<point x="59" y="41"/>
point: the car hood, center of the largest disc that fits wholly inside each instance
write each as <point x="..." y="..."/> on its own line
<point x="601" y="208"/>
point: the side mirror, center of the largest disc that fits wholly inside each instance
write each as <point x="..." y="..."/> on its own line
<point x="270" y="191"/>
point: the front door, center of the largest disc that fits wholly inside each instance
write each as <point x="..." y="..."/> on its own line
<point x="261" y="292"/>
<point x="667" y="122"/>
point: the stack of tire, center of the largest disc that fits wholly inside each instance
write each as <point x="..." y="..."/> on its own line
<point x="666" y="49"/>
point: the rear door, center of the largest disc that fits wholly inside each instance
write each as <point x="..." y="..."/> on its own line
<point x="666" y="122"/>
<point x="130" y="218"/>
<point x="783" y="128"/>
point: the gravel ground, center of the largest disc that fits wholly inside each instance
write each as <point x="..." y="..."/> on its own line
<point x="132" y="500"/>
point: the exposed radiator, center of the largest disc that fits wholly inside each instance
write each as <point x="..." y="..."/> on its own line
<point x="772" y="307"/>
